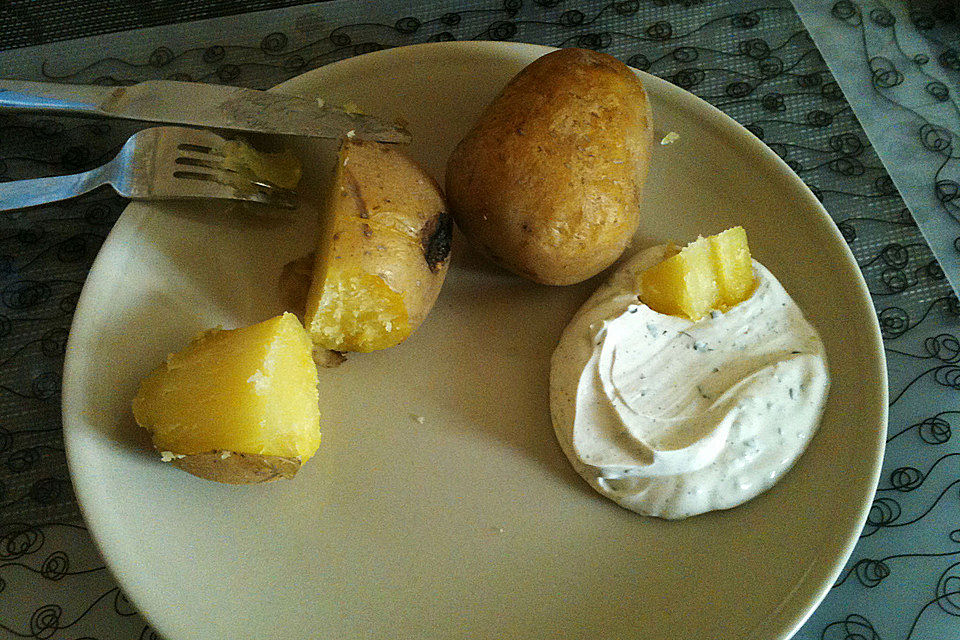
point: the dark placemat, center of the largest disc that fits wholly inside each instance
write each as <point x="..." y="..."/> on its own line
<point x="25" y="23"/>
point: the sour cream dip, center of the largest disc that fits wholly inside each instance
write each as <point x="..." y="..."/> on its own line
<point x="673" y="418"/>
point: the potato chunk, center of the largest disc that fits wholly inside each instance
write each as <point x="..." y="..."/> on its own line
<point x="383" y="253"/>
<point x="731" y="256"/>
<point x="236" y="406"/>
<point x="709" y="274"/>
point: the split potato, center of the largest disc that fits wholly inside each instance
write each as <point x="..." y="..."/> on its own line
<point x="549" y="180"/>
<point x="237" y="406"/>
<point x="383" y="252"/>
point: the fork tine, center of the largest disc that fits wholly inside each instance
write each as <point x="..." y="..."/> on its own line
<point x="281" y="197"/>
<point x="197" y="148"/>
<point x="198" y="162"/>
<point x="196" y="175"/>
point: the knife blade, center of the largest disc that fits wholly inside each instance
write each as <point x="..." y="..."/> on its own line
<point x="201" y="105"/>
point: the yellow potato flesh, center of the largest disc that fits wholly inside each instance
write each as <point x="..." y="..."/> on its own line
<point x="710" y="274"/>
<point x="357" y="311"/>
<point x="731" y="257"/>
<point x="251" y="390"/>
<point x="282" y="169"/>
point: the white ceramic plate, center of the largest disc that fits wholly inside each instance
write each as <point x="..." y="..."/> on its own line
<point x="470" y="524"/>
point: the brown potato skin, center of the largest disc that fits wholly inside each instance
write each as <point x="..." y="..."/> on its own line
<point x="548" y="182"/>
<point x="238" y="468"/>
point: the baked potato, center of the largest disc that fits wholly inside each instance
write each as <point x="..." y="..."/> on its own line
<point x="237" y="406"/>
<point x="383" y="252"/>
<point x="548" y="182"/>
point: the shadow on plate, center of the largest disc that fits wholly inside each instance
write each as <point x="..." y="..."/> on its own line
<point x="112" y="378"/>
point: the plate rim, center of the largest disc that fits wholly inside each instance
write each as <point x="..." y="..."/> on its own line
<point x="501" y="49"/>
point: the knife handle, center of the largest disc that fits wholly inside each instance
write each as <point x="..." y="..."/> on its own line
<point x="49" y="96"/>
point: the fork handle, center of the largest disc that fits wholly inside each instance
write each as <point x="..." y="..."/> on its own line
<point x="19" y="194"/>
<point x="48" y="96"/>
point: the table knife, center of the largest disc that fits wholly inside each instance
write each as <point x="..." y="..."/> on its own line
<point x="201" y="105"/>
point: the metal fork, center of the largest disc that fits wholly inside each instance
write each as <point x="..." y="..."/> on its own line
<point x="161" y="163"/>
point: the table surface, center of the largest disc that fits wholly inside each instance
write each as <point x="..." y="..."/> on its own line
<point x="754" y="60"/>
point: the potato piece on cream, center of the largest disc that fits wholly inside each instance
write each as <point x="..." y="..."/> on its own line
<point x="710" y="274"/>
<point x="672" y="417"/>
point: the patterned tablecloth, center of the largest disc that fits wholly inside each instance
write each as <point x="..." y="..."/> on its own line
<point x="753" y="59"/>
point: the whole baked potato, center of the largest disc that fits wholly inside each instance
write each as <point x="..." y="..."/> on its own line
<point x="548" y="182"/>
